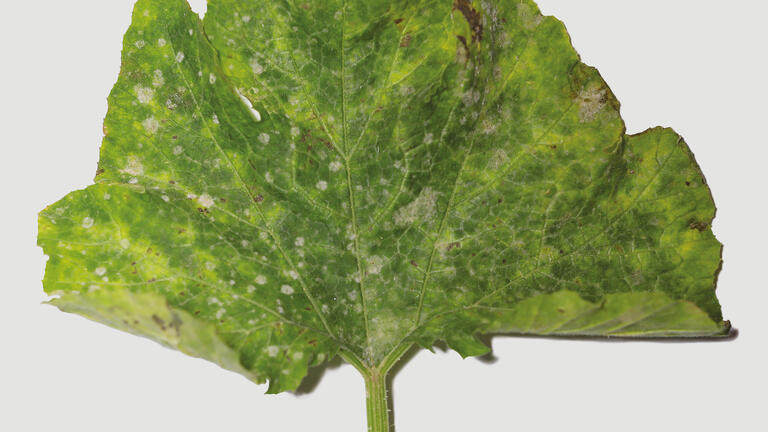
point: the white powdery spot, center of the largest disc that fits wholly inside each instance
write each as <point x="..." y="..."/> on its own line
<point x="422" y="207"/>
<point x="107" y="196"/>
<point x="246" y="18"/>
<point x="206" y="200"/>
<point x="428" y="138"/>
<point x="178" y="150"/>
<point x="264" y="138"/>
<point x="140" y="44"/>
<point x="286" y="289"/>
<point x="210" y="266"/>
<point x="244" y="243"/>
<point x="134" y="166"/>
<point x="179" y="57"/>
<point x="295" y="131"/>
<point x="133" y="180"/>
<point x="268" y="177"/>
<point x="272" y="351"/>
<point x="260" y="279"/>
<point x="591" y="101"/>
<point x="298" y="356"/>
<point x="214" y="300"/>
<point x="161" y="42"/>
<point x="165" y="198"/>
<point x="125" y="243"/>
<point x="215" y="119"/>
<point x="256" y="66"/>
<point x="250" y="288"/>
<point x="299" y="241"/>
<point x="292" y="274"/>
<point x="334" y="166"/>
<point x="220" y="313"/>
<point x="144" y="94"/>
<point x="151" y="125"/>
<point x="157" y="78"/>
<point x="100" y="271"/>
<point x="322" y="185"/>
<point x="498" y="160"/>
<point x="212" y="78"/>
<point x="375" y="264"/>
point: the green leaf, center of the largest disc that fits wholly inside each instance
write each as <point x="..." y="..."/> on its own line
<point x="286" y="181"/>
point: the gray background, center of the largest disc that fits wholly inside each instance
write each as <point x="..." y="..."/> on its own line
<point x="699" y="66"/>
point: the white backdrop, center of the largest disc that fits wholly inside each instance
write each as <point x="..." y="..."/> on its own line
<point x="699" y="66"/>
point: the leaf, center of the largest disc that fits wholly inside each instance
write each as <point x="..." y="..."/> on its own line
<point x="286" y="181"/>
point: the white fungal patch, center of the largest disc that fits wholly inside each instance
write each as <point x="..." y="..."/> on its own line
<point x="151" y="125"/>
<point x="322" y="185"/>
<point x="298" y="356"/>
<point x="215" y="119"/>
<point x="144" y="94"/>
<point x="591" y="101"/>
<point x="165" y="198"/>
<point x="125" y="243"/>
<point x="286" y="289"/>
<point x="246" y="18"/>
<point x="295" y="131"/>
<point x="251" y="289"/>
<point x="292" y="274"/>
<point x="157" y="78"/>
<point x="178" y="150"/>
<point x="256" y="66"/>
<point x="272" y="351"/>
<point x="264" y="138"/>
<point x="134" y="166"/>
<point x="140" y="44"/>
<point x="268" y="177"/>
<point x="260" y="279"/>
<point x="299" y="241"/>
<point x="100" y="271"/>
<point x="423" y="207"/>
<point x="335" y="166"/>
<point x="212" y="79"/>
<point x="498" y="159"/>
<point x="107" y="196"/>
<point x="428" y="138"/>
<point x="214" y="300"/>
<point x="375" y="264"/>
<point x="206" y="200"/>
<point x="179" y="57"/>
<point x="161" y="42"/>
<point x="210" y="266"/>
<point x="220" y="313"/>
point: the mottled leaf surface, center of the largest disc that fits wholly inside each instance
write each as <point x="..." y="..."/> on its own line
<point x="287" y="179"/>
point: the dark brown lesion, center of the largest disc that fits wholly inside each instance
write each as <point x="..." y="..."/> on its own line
<point x="472" y="16"/>
<point x="698" y="225"/>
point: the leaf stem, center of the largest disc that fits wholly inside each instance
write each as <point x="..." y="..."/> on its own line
<point x="376" y="401"/>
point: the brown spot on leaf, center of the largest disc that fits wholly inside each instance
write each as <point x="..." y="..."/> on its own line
<point x="698" y="225"/>
<point x="405" y="41"/>
<point x="159" y="321"/>
<point x="472" y="16"/>
<point x="454" y="245"/>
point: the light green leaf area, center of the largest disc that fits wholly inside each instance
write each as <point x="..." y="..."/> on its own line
<point x="288" y="180"/>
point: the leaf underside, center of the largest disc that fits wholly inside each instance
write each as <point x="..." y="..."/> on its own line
<point x="284" y="180"/>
